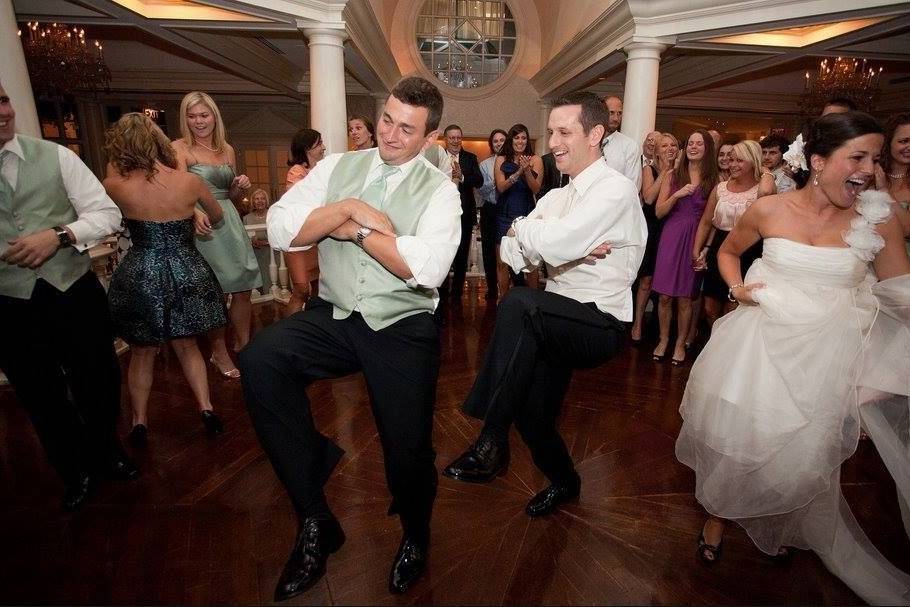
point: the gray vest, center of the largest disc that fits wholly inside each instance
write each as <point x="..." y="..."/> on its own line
<point x="39" y="202"/>
<point x="350" y="278"/>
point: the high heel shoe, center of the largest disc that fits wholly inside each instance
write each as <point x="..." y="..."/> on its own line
<point x="233" y="373"/>
<point x="709" y="553"/>
<point x="212" y="423"/>
<point x="659" y="357"/>
<point x="138" y="436"/>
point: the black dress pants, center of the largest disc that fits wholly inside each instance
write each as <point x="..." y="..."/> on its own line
<point x="58" y="345"/>
<point x="539" y="338"/>
<point x="400" y="364"/>
<point x="488" y="245"/>
<point x="461" y="255"/>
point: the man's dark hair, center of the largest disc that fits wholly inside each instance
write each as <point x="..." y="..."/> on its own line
<point x="843" y="102"/>
<point x="420" y="92"/>
<point x="593" y="110"/>
<point x="490" y="138"/>
<point x="452" y="127"/>
<point x="776" y="141"/>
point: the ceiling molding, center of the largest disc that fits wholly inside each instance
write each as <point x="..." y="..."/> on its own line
<point x="716" y="73"/>
<point x="372" y="47"/>
<point x="608" y="33"/>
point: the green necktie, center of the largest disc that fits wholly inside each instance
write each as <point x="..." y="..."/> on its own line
<point x="6" y="190"/>
<point x="375" y="192"/>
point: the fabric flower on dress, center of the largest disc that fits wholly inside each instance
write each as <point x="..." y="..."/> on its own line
<point x="873" y="207"/>
<point x="794" y="156"/>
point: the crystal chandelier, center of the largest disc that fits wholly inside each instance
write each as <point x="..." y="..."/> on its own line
<point x="843" y="77"/>
<point x="60" y="61"/>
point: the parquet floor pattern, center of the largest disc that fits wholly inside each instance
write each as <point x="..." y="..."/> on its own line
<point x="208" y="522"/>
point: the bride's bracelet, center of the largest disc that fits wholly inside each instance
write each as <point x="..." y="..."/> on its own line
<point x="730" y="292"/>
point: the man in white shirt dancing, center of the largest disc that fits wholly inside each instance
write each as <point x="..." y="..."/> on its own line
<point x="591" y="235"/>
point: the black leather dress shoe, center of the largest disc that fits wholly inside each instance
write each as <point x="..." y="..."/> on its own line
<point x="76" y="492"/>
<point x="481" y="463"/>
<point x="316" y="540"/>
<point x="550" y="498"/>
<point x="122" y="468"/>
<point x="409" y="564"/>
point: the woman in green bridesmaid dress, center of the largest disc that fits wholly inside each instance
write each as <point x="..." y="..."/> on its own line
<point x="204" y="151"/>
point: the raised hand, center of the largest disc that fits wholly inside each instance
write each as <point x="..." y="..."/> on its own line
<point x="241" y="182"/>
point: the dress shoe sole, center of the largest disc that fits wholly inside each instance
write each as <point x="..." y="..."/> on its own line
<point x="479" y="480"/>
<point x="568" y="500"/>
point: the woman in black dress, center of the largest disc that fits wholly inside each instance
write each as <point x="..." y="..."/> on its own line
<point x="163" y="291"/>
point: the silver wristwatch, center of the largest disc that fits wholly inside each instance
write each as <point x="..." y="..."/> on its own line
<point x="362" y="233"/>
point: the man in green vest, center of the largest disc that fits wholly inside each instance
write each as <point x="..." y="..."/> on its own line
<point x="57" y="339"/>
<point x="387" y="223"/>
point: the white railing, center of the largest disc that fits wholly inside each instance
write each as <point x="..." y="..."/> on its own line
<point x="279" y="287"/>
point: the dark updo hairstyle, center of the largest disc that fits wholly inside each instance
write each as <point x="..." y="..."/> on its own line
<point x="894" y="123"/>
<point x="508" y="150"/>
<point x="830" y="132"/>
<point x="304" y="140"/>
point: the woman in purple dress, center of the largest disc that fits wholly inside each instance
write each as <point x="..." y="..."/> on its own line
<point x="680" y="204"/>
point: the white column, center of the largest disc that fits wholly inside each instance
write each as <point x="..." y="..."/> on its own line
<point x="14" y="73"/>
<point x="543" y="144"/>
<point x="380" y="100"/>
<point x="328" y="110"/>
<point x="640" y="99"/>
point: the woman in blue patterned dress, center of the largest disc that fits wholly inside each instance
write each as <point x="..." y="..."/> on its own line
<point x="163" y="291"/>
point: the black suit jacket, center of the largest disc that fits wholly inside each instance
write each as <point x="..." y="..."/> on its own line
<point x="473" y="178"/>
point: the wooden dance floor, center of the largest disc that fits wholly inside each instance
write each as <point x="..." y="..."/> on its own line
<point x="209" y="523"/>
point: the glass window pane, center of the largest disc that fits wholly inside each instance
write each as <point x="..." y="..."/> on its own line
<point x="465" y="43"/>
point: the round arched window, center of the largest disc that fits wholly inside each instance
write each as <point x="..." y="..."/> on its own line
<point x="466" y="43"/>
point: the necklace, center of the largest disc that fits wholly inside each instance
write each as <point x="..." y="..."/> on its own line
<point x="213" y="150"/>
<point x="897" y="176"/>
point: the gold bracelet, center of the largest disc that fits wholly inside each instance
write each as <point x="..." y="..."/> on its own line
<point x="730" y="292"/>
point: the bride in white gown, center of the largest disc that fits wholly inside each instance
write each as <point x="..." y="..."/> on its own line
<point x="820" y="346"/>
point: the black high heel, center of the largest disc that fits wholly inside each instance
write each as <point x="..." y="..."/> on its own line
<point x="138" y="436"/>
<point x="213" y="425"/>
<point x="659" y="357"/>
<point x="709" y="553"/>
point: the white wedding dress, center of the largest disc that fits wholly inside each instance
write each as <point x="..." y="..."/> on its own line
<point x="775" y="402"/>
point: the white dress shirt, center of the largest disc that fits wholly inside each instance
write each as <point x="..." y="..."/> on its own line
<point x="782" y="181"/>
<point x="98" y="216"/>
<point x="428" y="253"/>
<point x="598" y="206"/>
<point x="486" y="194"/>
<point x="624" y="155"/>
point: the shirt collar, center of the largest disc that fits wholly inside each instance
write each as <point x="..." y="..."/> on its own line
<point x="404" y="168"/>
<point x="13" y="146"/>
<point x="584" y="180"/>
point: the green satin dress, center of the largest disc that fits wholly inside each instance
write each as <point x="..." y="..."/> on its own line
<point x="227" y="249"/>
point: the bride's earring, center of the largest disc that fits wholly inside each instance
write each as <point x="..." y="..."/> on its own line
<point x="815" y="181"/>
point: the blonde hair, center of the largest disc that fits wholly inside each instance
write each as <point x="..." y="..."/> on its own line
<point x="268" y="200"/>
<point x="750" y="151"/>
<point x="218" y="134"/>
<point x="135" y="142"/>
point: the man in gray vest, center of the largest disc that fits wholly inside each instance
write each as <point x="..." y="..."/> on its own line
<point x="57" y="338"/>
<point x="387" y="223"/>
